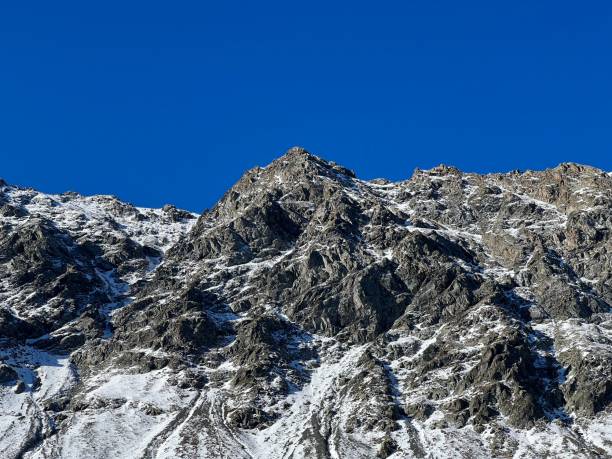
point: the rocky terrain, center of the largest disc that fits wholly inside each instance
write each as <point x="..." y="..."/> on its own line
<point x="311" y="314"/>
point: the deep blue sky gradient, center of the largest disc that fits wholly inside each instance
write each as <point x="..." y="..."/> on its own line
<point x="172" y="101"/>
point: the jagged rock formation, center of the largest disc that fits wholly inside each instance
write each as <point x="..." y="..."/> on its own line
<point x="312" y="314"/>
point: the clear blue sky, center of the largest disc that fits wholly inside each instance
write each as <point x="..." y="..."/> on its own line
<point x="172" y="101"/>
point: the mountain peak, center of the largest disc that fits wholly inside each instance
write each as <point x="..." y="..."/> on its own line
<point x="299" y="152"/>
<point x="576" y="168"/>
<point x="445" y="169"/>
<point x="299" y="160"/>
<point x="298" y="156"/>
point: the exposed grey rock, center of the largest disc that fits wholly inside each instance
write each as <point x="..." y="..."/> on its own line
<point x="7" y="374"/>
<point x="176" y="214"/>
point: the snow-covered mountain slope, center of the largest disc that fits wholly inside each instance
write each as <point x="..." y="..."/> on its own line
<point x="313" y="314"/>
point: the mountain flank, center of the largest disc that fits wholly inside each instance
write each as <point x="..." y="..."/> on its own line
<point x="311" y="314"/>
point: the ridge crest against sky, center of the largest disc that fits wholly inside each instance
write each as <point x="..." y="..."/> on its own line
<point x="158" y="103"/>
<point x="295" y="153"/>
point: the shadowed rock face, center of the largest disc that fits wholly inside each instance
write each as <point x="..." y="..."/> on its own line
<point x="313" y="314"/>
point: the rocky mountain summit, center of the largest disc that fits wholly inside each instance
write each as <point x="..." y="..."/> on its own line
<point x="311" y="314"/>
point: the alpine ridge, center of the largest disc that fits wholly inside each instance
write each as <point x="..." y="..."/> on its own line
<point x="311" y="314"/>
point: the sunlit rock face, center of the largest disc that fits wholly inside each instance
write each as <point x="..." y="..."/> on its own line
<point x="312" y="314"/>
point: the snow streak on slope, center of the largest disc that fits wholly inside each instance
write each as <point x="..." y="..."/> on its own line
<point x="98" y="215"/>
